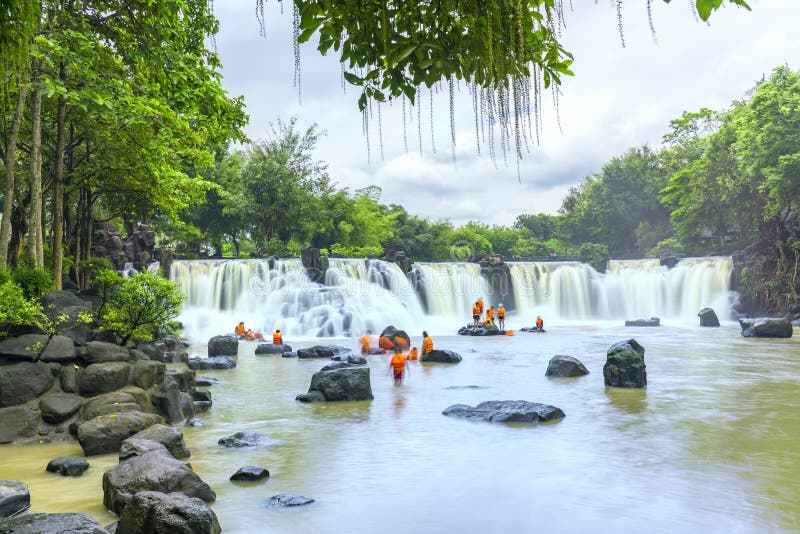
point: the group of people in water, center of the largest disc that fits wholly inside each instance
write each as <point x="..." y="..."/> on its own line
<point x="488" y="319"/>
<point x="398" y="364"/>
<point x="247" y="334"/>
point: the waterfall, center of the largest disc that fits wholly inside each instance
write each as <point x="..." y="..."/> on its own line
<point x="450" y="289"/>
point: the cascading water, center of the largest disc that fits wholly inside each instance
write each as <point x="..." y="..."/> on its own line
<point x="450" y="289"/>
<point x="630" y="289"/>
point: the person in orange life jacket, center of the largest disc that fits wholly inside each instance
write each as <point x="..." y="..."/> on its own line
<point x="250" y="335"/>
<point x="540" y="324"/>
<point x="427" y="343"/>
<point x="476" y="314"/>
<point x="413" y="355"/>
<point x="365" y="343"/>
<point x="501" y="316"/>
<point x="277" y="338"/>
<point x="480" y="305"/>
<point x="239" y="330"/>
<point x="398" y="364"/>
<point x="490" y="315"/>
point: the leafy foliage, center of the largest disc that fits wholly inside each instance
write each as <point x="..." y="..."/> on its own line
<point x="34" y="281"/>
<point x="15" y="308"/>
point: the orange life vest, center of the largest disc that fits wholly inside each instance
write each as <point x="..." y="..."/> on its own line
<point x="539" y="324"/>
<point x="250" y="335"/>
<point x="239" y="330"/>
<point x="427" y="345"/>
<point x="501" y="313"/>
<point x="413" y="355"/>
<point x="277" y="338"/>
<point x="480" y="306"/>
<point x="398" y="362"/>
<point x="364" y="344"/>
<point x="476" y="311"/>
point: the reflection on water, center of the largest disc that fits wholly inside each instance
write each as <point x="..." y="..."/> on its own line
<point x="711" y="445"/>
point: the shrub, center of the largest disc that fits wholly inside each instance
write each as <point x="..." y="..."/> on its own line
<point x="595" y="255"/>
<point x="15" y="308"/>
<point x="34" y="281"/>
<point x="666" y="247"/>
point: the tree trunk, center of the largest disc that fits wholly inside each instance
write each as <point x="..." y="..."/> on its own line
<point x="35" y="242"/>
<point x="58" y="188"/>
<point x="11" y="160"/>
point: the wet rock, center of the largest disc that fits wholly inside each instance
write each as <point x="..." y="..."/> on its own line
<point x="102" y="352"/>
<point x="625" y="367"/>
<point x="167" y="513"/>
<point x="74" y="327"/>
<point x="187" y="405"/>
<point x="68" y="466"/>
<point x="488" y="330"/>
<point x="104" y="434"/>
<point x="136" y="447"/>
<point x="137" y="355"/>
<point x="339" y="381"/>
<point x="227" y="345"/>
<point x="17" y="422"/>
<point x="103" y="377"/>
<point x="565" y="367"/>
<point x="376" y="350"/>
<point x="23" y="381"/>
<point x="653" y="321"/>
<point x="206" y="381"/>
<point x="60" y="349"/>
<point x="43" y="523"/>
<point x="315" y="263"/>
<point x="355" y="359"/>
<point x="506" y="412"/>
<point x="201" y="395"/>
<point x="392" y="337"/>
<point x="440" y="356"/>
<point x="60" y="300"/>
<point x="708" y="317"/>
<point x="283" y="500"/>
<point x="194" y="422"/>
<point x="212" y="362"/>
<point x="244" y="439"/>
<point x="167" y="401"/>
<point x="766" y="327"/>
<point x="269" y="348"/>
<point x="147" y="373"/>
<point x="152" y="471"/>
<point x="169" y="436"/>
<point x="153" y="351"/>
<point x="201" y="406"/>
<point x="250" y="474"/>
<point x="289" y="355"/>
<point x="104" y="335"/>
<point x="14" y="498"/>
<point x="184" y="377"/>
<point x="68" y="378"/>
<point x="107" y="403"/>
<point x="58" y="407"/>
<point x="323" y="351"/>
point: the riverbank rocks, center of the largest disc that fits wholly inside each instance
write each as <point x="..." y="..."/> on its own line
<point x="323" y="351"/>
<point x="212" y="362"/>
<point x="766" y="327"/>
<point x="250" y="474"/>
<point x="60" y="349"/>
<point x="151" y="471"/>
<point x="104" y="434"/>
<point x="14" y="497"/>
<point x="136" y="447"/>
<point x="653" y="321"/>
<point x="183" y="376"/>
<point x="102" y="352"/>
<point x="708" y="317"/>
<point x="227" y="345"/>
<point x="58" y="407"/>
<point x="103" y="378"/>
<point x="23" y="381"/>
<point x="392" y="337"/>
<point x="169" y="436"/>
<point x="244" y="439"/>
<point x="67" y="466"/>
<point x="167" y="513"/>
<point x="271" y="348"/>
<point x="624" y="367"/>
<point x="506" y="412"/>
<point x="147" y="373"/>
<point x="339" y="381"/>
<point x="18" y="422"/>
<point x="168" y="401"/>
<point x="561" y="366"/>
<point x="284" y="500"/>
<point x="488" y="330"/>
<point x="43" y="523"/>
<point x="440" y="356"/>
<point x="351" y="357"/>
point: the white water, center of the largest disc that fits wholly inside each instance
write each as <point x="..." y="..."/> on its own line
<point x="360" y="295"/>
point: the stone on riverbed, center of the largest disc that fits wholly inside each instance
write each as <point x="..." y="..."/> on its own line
<point x="565" y="367"/>
<point x="206" y="381"/>
<point x="653" y="321"/>
<point x="14" y="497"/>
<point x="271" y="348"/>
<point x="323" y="351"/>
<point x="356" y="359"/>
<point x="104" y="434"/>
<point x="67" y="466"/>
<point x="339" y="381"/>
<point x="22" y="382"/>
<point x="624" y="367"/>
<point x="227" y="345"/>
<point x="250" y="474"/>
<point x="169" y="436"/>
<point x="58" y="407"/>
<point x="167" y="513"/>
<point x="283" y="500"/>
<point x="42" y="523"/>
<point x="708" y="317"/>
<point x="440" y="356"/>
<point x="212" y="362"/>
<point x="244" y="439"/>
<point x="766" y="327"/>
<point x="506" y="412"/>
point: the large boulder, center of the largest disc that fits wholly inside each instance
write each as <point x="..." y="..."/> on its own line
<point x="102" y="352"/>
<point x="68" y="378"/>
<point x="392" y="338"/>
<point x="167" y="513"/>
<point x="708" y="317"/>
<point x="183" y="376"/>
<point x="565" y="367"/>
<point x="212" y="362"/>
<point x="68" y="466"/>
<point x="147" y="373"/>
<point x="60" y="349"/>
<point x="350" y="357"/>
<point x="227" y="345"/>
<point x="169" y="436"/>
<point x="246" y="438"/>
<point x="104" y="335"/>
<point x="58" y="407"/>
<point x="488" y="330"/>
<point x="17" y="422"/>
<point x="440" y="356"/>
<point x="168" y="402"/>
<point x="155" y="351"/>
<point x="113" y="402"/>
<point x="23" y="381"/>
<point x="339" y="381"/>
<point x="624" y="367"/>
<point x="766" y="327"/>
<point x="136" y="447"/>
<point x="14" y="498"/>
<point x="506" y="412"/>
<point x="44" y="523"/>
<point x="75" y="327"/>
<point x="60" y="300"/>
<point x="271" y="348"/>
<point x="104" y="434"/>
<point x="653" y="321"/>
<point x="151" y="471"/>
<point x="103" y="377"/>
<point x="323" y="351"/>
<point x="250" y="473"/>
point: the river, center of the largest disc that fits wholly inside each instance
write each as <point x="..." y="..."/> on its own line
<point x="710" y="445"/>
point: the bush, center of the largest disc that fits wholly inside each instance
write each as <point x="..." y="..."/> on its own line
<point x="595" y="255"/>
<point x="143" y="305"/>
<point x="666" y="247"/>
<point x="15" y="308"/>
<point x="34" y="281"/>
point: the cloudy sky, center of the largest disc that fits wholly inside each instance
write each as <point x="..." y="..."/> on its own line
<point x="619" y="98"/>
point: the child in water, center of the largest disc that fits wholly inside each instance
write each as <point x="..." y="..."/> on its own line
<point x="398" y="365"/>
